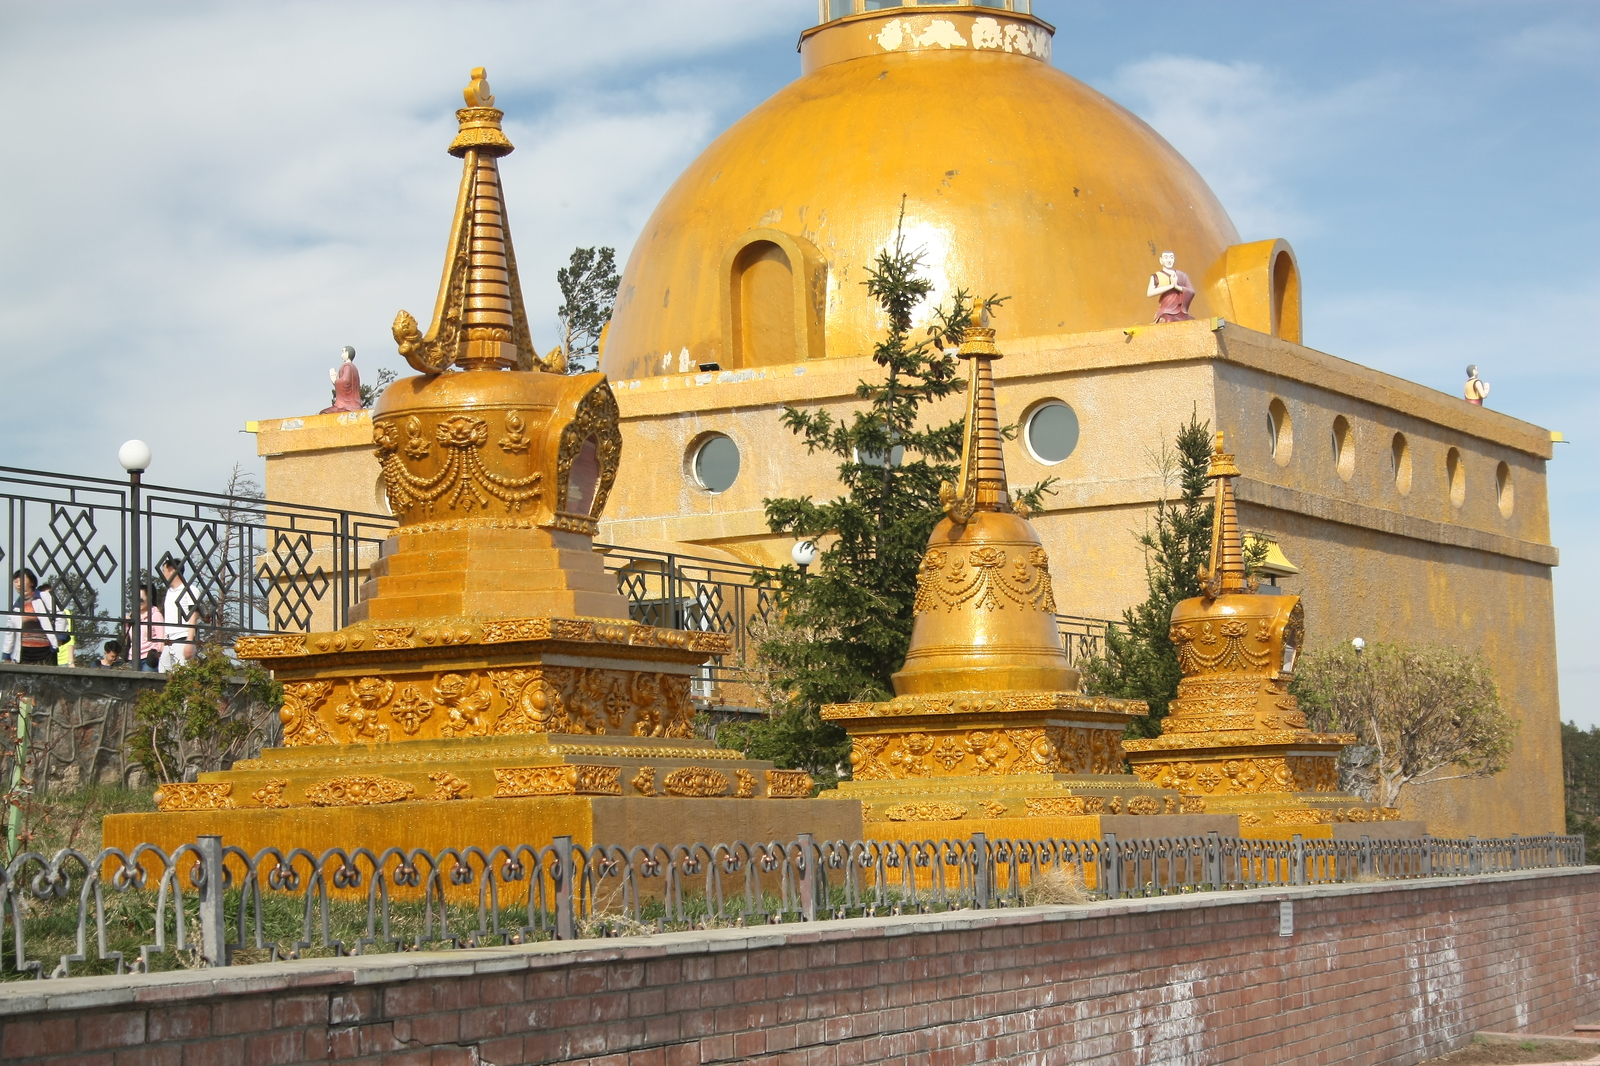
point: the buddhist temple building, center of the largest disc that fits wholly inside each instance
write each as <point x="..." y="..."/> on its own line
<point x="1408" y="514"/>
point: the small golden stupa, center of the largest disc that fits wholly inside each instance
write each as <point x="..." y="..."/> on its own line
<point x="1235" y="739"/>
<point x="987" y="730"/>
<point x="490" y="686"/>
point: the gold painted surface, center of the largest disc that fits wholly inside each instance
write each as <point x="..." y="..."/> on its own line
<point x="1061" y="180"/>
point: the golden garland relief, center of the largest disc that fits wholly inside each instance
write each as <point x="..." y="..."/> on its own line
<point x="982" y="576"/>
<point x="359" y="790"/>
<point x="194" y="796"/>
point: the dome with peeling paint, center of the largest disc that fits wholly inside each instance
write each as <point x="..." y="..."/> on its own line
<point x="1017" y="179"/>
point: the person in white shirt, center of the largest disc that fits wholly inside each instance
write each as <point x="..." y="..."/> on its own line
<point x="179" y="612"/>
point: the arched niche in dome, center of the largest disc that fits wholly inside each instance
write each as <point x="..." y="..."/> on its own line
<point x="773" y="298"/>
<point x="1261" y="283"/>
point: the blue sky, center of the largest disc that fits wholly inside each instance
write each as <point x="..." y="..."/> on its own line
<point x="200" y="203"/>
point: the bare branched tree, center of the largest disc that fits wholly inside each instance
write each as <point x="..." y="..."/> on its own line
<point x="1425" y="714"/>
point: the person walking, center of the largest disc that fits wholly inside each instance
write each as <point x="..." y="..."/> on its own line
<point x="178" y="614"/>
<point x="31" y="633"/>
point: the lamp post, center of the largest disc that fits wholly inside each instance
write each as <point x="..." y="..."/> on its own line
<point x="135" y="459"/>
<point x="1359" y="645"/>
<point x="804" y="553"/>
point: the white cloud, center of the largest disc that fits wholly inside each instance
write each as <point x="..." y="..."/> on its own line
<point x="1248" y="130"/>
<point x="215" y="198"/>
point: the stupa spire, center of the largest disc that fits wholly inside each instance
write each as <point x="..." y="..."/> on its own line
<point x="982" y="483"/>
<point x="1225" y="571"/>
<point x="478" y="320"/>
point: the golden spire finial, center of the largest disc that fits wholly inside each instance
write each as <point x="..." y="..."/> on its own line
<point x="982" y="484"/>
<point x="1225" y="572"/>
<point x="478" y="321"/>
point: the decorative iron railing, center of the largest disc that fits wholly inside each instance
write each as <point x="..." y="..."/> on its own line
<point x="260" y="566"/>
<point x="210" y="904"/>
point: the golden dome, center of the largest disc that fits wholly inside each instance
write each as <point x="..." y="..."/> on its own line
<point x="1018" y="179"/>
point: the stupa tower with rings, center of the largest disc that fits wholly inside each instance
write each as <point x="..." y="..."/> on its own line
<point x="988" y="730"/>
<point x="490" y="687"/>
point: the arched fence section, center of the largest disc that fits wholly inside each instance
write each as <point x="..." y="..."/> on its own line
<point x="209" y="904"/>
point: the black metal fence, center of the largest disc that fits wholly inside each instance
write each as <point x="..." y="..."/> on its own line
<point x="240" y="907"/>
<point x="261" y="566"/>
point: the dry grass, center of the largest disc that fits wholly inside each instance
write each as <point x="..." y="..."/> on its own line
<point x="1061" y="885"/>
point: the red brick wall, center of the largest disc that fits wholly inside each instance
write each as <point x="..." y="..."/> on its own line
<point x="1382" y="973"/>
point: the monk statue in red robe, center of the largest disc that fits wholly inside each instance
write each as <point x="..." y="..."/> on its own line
<point x="346" y="385"/>
<point x="1172" y="286"/>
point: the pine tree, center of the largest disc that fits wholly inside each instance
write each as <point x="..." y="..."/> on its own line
<point x="588" y="284"/>
<point x="1140" y="661"/>
<point x="844" y="629"/>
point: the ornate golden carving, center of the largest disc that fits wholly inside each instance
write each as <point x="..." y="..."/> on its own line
<point x="1094" y="805"/>
<point x="1054" y="806"/>
<point x="925" y="812"/>
<point x="789" y="784"/>
<point x="462" y="482"/>
<point x="1037" y="751"/>
<point x="299" y="712"/>
<point x="949" y="579"/>
<point x="271" y="793"/>
<point x="1249" y="821"/>
<point x="989" y="751"/>
<point x="1302" y="816"/>
<point x="1228" y="637"/>
<point x="466" y="706"/>
<point x="1208" y="723"/>
<point x="270" y="647"/>
<point x="194" y="796"/>
<point x="568" y="780"/>
<point x="695" y="781"/>
<point x="393" y="636"/>
<point x="359" y="714"/>
<point x="1145" y="805"/>
<point x="359" y="790"/>
<point x="993" y="808"/>
<point x="533" y="705"/>
<point x="410" y="710"/>
<point x="1192" y="804"/>
<point x="1312" y="773"/>
<point x="447" y="786"/>
<point x="510" y="629"/>
<point x="747" y="784"/>
<point x="516" y="438"/>
<point x="907" y="756"/>
<point x="644" y="782"/>
<point x="596" y="418"/>
<point x="1114" y="804"/>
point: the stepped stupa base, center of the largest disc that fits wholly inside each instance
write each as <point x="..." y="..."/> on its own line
<point x="484" y="791"/>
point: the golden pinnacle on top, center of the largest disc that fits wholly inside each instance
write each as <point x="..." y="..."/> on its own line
<point x="982" y="483"/>
<point x="1225" y="571"/>
<point x="479" y="322"/>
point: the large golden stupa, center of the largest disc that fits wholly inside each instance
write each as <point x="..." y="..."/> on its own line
<point x="491" y="687"/>
<point x="988" y="729"/>
<point x="1235" y="740"/>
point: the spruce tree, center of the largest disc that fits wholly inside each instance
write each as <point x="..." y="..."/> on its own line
<point x="1140" y="661"/>
<point x="843" y="629"/>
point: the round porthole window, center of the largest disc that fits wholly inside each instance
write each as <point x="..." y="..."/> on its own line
<point x="716" y="463"/>
<point x="1051" y="432"/>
